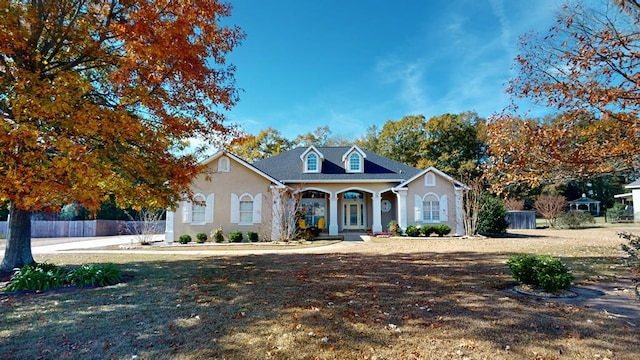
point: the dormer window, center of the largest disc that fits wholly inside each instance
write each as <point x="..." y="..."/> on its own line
<point x="354" y="162"/>
<point x="312" y="162"/>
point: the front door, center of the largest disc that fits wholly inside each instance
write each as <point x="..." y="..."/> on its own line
<point x="354" y="214"/>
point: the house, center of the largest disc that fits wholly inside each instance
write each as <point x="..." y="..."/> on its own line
<point x="631" y="198"/>
<point x="337" y="189"/>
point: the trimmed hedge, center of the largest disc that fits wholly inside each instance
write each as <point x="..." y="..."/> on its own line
<point x="428" y="230"/>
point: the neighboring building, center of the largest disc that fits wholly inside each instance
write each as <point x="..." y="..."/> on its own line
<point x="339" y="189"/>
<point x="633" y="198"/>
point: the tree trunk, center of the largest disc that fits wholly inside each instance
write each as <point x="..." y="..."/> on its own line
<point x="18" y="251"/>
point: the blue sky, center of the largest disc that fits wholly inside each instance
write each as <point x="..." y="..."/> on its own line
<point x="350" y="64"/>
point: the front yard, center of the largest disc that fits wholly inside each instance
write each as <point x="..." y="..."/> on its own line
<point x="384" y="299"/>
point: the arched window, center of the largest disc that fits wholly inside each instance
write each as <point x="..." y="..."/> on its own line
<point x="223" y="164"/>
<point x="312" y="162"/>
<point x="246" y="209"/>
<point x="430" y="208"/>
<point x="198" y="209"/>
<point x="354" y="162"/>
<point x="430" y="179"/>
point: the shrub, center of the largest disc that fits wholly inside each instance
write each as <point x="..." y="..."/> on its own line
<point x="235" y="236"/>
<point x="394" y="228"/>
<point x="184" y="239"/>
<point x="442" y="229"/>
<point x="492" y="217"/>
<point x="38" y="277"/>
<point x="44" y="276"/>
<point x="413" y="230"/>
<point x="201" y="238"/>
<point x="218" y="235"/>
<point x="573" y="220"/>
<point x="614" y="213"/>
<point x="523" y="268"/>
<point x="95" y="275"/>
<point x="543" y="271"/>
<point x="252" y="236"/>
<point x="427" y="230"/>
<point x="632" y="248"/>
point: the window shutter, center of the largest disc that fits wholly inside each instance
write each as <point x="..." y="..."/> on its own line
<point x="418" y="208"/>
<point x="235" y="209"/>
<point x="186" y="212"/>
<point x="257" y="209"/>
<point x="208" y="210"/>
<point x="444" y="206"/>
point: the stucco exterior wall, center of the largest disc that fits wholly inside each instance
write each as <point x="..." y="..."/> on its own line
<point x="443" y="189"/>
<point x="238" y="180"/>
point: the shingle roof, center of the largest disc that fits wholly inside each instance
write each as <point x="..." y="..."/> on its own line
<point x="634" y="185"/>
<point x="288" y="167"/>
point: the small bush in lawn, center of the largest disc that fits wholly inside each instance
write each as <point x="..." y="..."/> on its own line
<point x="38" y="277"/>
<point x="573" y="220"/>
<point x="413" y="231"/>
<point x="632" y="247"/>
<point x="94" y="275"/>
<point x="184" y="239"/>
<point x="218" y="235"/>
<point x="442" y="229"/>
<point x="252" y="236"/>
<point x="542" y="271"/>
<point x="427" y="230"/>
<point x="201" y="238"/>
<point x="235" y="236"/>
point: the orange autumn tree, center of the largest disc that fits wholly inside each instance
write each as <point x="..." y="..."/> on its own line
<point x="99" y="98"/>
<point x="587" y="67"/>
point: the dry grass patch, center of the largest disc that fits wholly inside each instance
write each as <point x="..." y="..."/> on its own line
<point x="390" y="299"/>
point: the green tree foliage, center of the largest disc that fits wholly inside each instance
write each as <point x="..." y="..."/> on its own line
<point x="492" y="216"/>
<point x="455" y="144"/>
<point x="369" y="141"/>
<point x="267" y="143"/>
<point x="402" y="140"/>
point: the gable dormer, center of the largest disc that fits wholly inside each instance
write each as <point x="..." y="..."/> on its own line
<point x="312" y="160"/>
<point x="353" y="160"/>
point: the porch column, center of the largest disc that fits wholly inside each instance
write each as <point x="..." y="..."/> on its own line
<point x="333" y="214"/>
<point x="168" y="227"/>
<point x="402" y="208"/>
<point x="277" y="212"/>
<point x="459" y="212"/>
<point x="377" y="217"/>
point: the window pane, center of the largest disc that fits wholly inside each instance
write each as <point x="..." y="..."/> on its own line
<point x="198" y="209"/>
<point x="354" y="162"/>
<point x="246" y="211"/>
<point x="312" y="162"/>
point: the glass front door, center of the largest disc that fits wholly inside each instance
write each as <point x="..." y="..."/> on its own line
<point x="353" y="216"/>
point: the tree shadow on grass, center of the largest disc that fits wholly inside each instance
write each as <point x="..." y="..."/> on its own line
<point x="301" y="306"/>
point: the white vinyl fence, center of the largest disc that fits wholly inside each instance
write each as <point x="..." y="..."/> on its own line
<point x="84" y="228"/>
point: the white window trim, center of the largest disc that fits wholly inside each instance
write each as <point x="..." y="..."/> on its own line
<point x="256" y="217"/>
<point x="347" y="164"/>
<point x="187" y="209"/>
<point x="199" y="198"/>
<point x="419" y="208"/>
<point x="306" y="163"/>
<point x="241" y="199"/>
<point x="430" y="179"/>
<point x="224" y="164"/>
